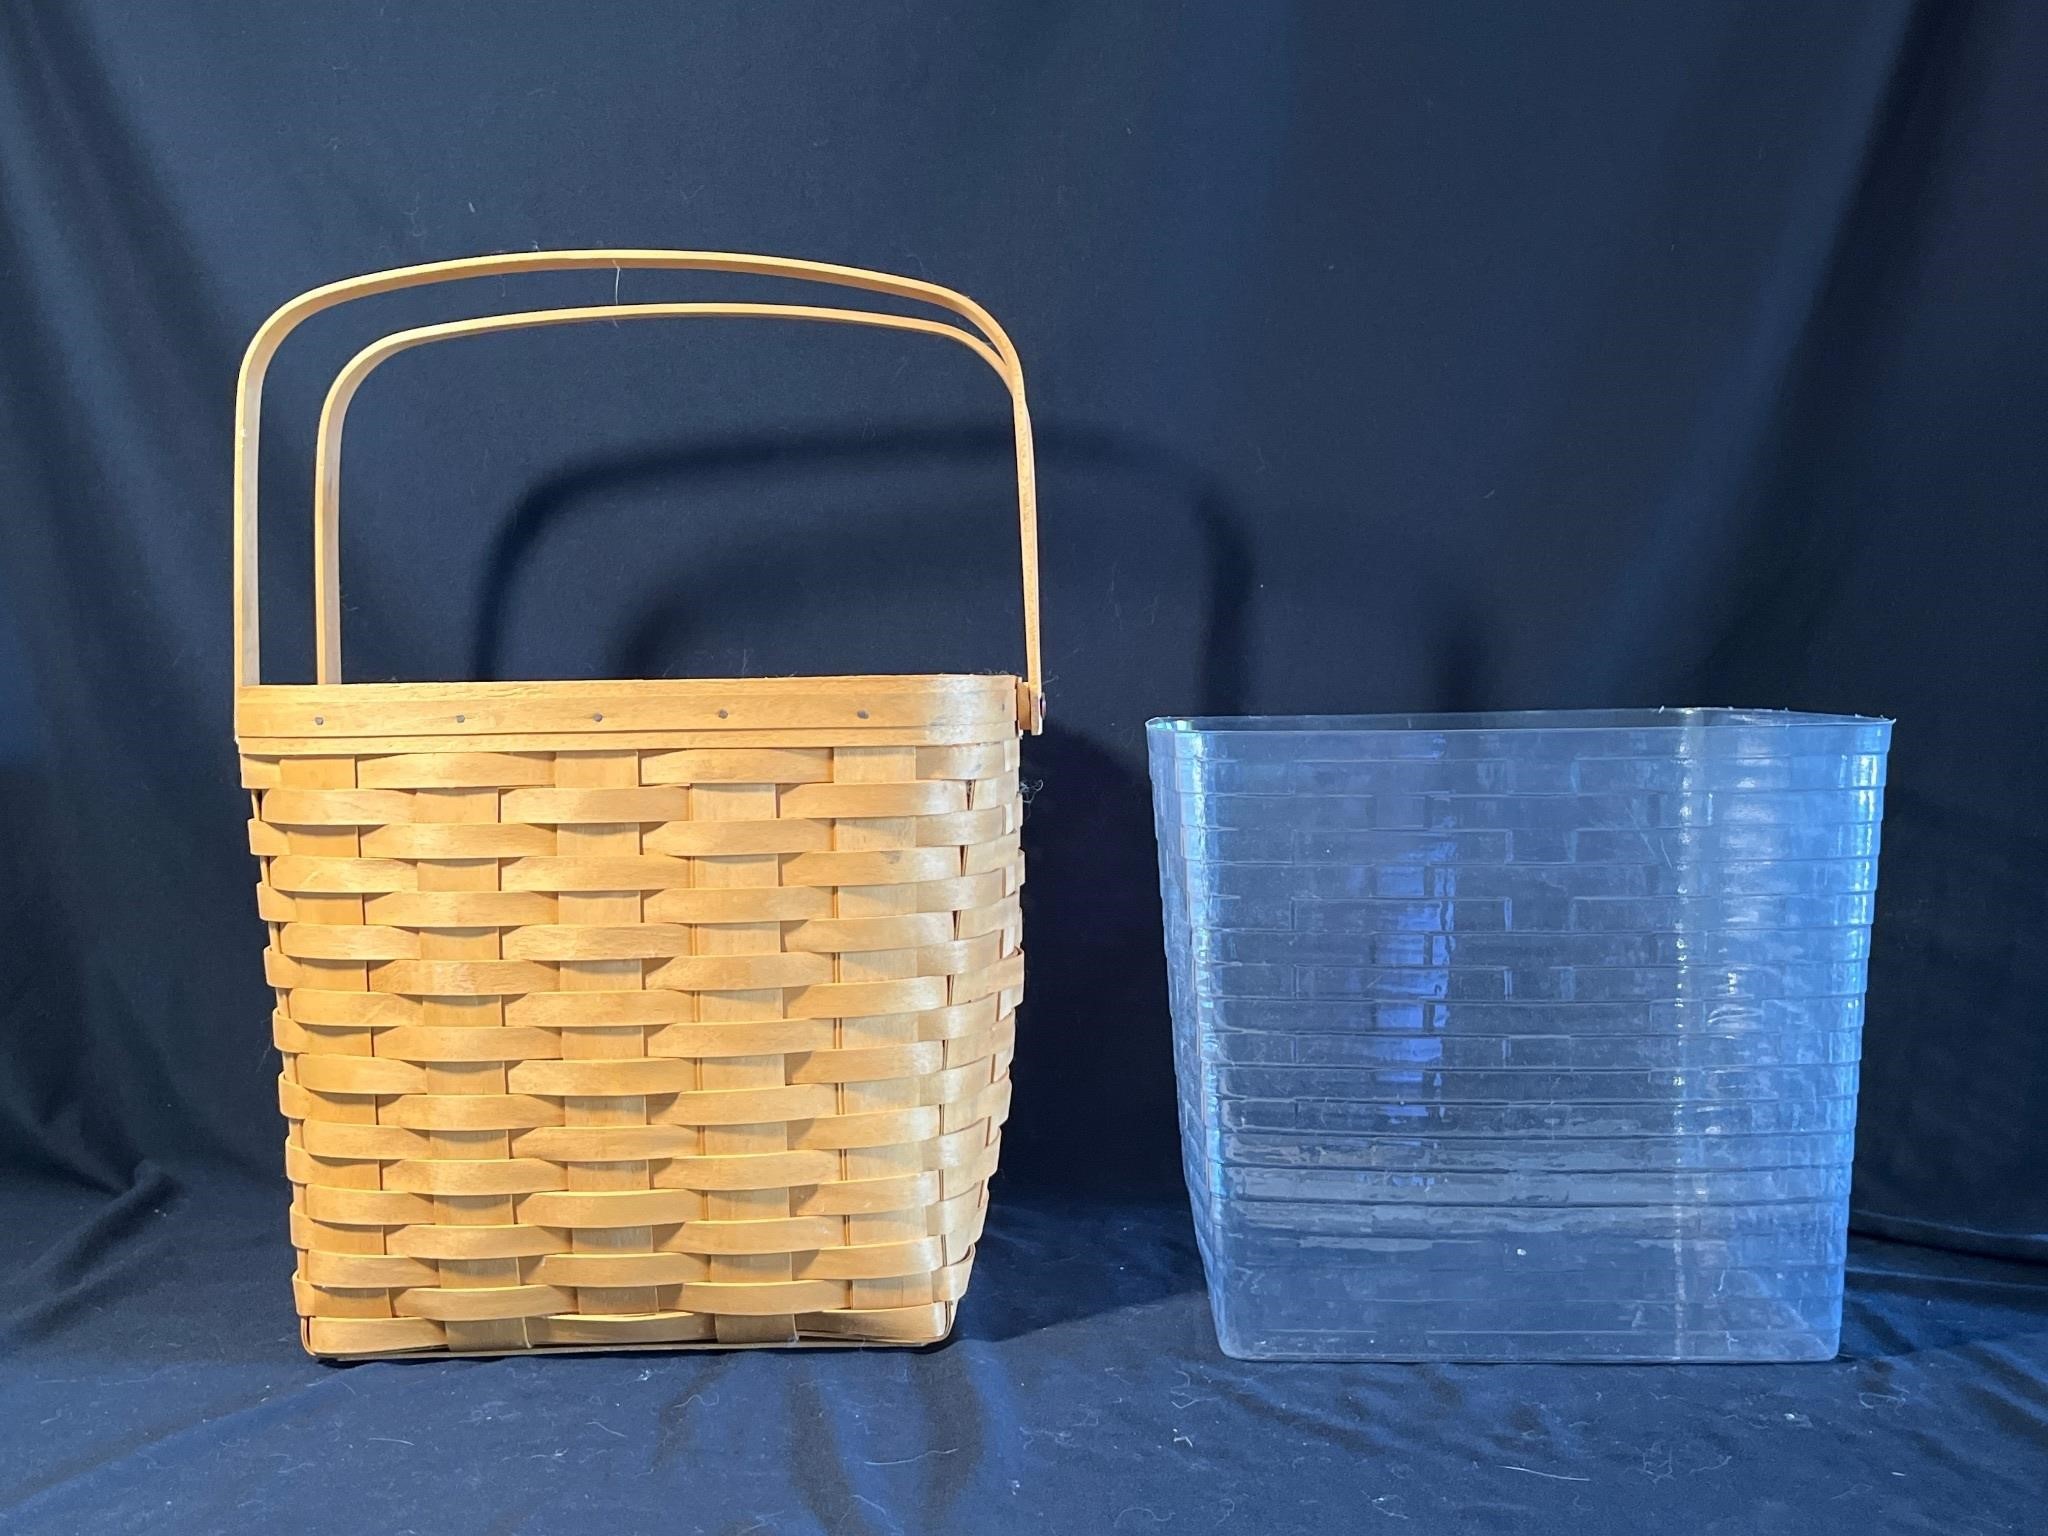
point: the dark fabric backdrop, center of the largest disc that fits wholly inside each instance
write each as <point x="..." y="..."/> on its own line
<point x="1391" y="356"/>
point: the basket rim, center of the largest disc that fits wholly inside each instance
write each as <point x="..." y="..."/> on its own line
<point x="650" y="686"/>
<point x="928" y="705"/>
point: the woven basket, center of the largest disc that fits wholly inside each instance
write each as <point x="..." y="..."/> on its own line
<point x="632" y="1014"/>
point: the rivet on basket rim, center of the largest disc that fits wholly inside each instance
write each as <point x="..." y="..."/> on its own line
<point x="863" y="714"/>
<point x="597" y="717"/>
<point x="723" y="713"/>
<point x="319" y="719"/>
<point x="459" y="719"/>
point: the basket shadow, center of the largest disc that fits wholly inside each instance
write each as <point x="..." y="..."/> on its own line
<point x="573" y="491"/>
<point x="1046" y="1259"/>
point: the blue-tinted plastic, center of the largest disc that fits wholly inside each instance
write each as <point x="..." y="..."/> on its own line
<point x="1520" y="1037"/>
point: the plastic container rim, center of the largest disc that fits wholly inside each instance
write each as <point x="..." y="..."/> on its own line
<point x="1667" y="719"/>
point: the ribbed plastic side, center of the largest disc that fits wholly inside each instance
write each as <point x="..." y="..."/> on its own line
<point x="1520" y="1037"/>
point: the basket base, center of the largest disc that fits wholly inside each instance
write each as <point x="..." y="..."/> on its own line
<point x="624" y="1347"/>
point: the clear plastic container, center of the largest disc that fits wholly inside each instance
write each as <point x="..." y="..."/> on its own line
<point x="1520" y="1036"/>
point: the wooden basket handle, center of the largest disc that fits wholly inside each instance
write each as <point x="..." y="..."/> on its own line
<point x="992" y="345"/>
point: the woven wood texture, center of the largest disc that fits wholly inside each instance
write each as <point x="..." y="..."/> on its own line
<point x="640" y="1045"/>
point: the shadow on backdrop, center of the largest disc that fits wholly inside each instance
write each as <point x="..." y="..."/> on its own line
<point x="1094" y="1110"/>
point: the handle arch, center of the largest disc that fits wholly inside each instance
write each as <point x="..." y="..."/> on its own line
<point x="991" y="344"/>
